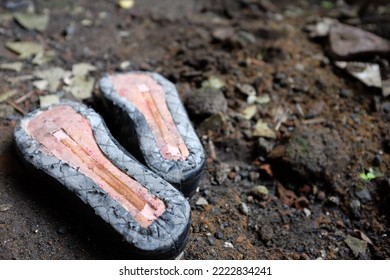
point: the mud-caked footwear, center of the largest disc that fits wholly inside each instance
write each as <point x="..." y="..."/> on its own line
<point x="71" y="144"/>
<point x="151" y="122"/>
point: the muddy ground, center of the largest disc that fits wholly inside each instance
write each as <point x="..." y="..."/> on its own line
<point x="298" y="151"/>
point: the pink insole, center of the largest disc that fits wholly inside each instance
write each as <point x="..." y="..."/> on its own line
<point x="148" y="97"/>
<point x="67" y="135"/>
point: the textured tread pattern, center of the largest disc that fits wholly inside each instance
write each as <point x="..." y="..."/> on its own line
<point x="165" y="237"/>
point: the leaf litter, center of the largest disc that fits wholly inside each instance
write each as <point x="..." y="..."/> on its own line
<point x="52" y="75"/>
<point x="81" y="84"/>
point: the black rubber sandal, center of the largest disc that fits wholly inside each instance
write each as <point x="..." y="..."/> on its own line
<point x="151" y="122"/>
<point x="71" y="144"/>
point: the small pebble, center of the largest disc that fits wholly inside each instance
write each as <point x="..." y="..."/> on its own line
<point x="222" y="172"/>
<point x="263" y="99"/>
<point x="5" y="207"/>
<point x="246" y="89"/>
<point x="340" y="224"/>
<point x="346" y="93"/>
<point x="228" y="245"/>
<point x="237" y="179"/>
<point x="300" y="249"/>
<point x="205" y="102"/>
<point x="251" y="99"/>
<point x="125" y="65"/>
<point x="125" y="4"/>
<point x="6" y="111"/>
<point x="299" y="67"/>
<point x="196" y="229"/>
<point x="201" y="201"/>
<point x="334" y="199"/>
<point x="253" y="175"/>
<point x="266" y="233"/>
<point x="307" y="212"/>
<point x="210" y="240"/>
<point x="225" y="225"/>
<point x="86" y="22"/>
<point x="323" y="254"/>
<point x="246" y="184"/>
<point x="244" y="209"/>
<point x="321" y="196"/>
<point x="244" y="174"/>
<point x="280" y="77"/>
<point x="232" y="175"/>
<point x="260" y="191"/>
<point x="245" y="38"/>
<point x="364" y="195"/>
<point x="355" y="204"/>
<point x="213" y="200"/>
<point x="265" y="146"/>
<point x="219" y="235"/>
<point x="355" y="207"/>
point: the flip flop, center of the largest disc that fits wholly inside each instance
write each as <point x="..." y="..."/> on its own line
<point x="150" y="122"/>
<point x="71" y="144"/>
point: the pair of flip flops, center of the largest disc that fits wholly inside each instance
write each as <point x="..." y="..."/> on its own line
<point x="139" y="190"/>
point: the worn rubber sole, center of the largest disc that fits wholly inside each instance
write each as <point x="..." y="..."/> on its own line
<point x="71" y="144"/>
<point x="151" y="122"/>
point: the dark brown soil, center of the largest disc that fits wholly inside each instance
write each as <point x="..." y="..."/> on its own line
<point x="329" y="128"/>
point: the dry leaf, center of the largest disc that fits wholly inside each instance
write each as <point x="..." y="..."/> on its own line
<point x="249" y="112"/>
<point x="24" y="49"/>
<point x="367" y="73"/>
<point x="365" y="237"/>
<point x="6" y="95"/>
<point x="32" y="21"/>
<point x="262" y="130"/>
<point x="44" y="57"/>
<point x="267" y="169"/>
<point x="47" y="100"/>
<point x="82" y="69"/>
<point x="15" y="66"/>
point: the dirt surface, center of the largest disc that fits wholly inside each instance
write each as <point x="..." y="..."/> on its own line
<point x="298" y="151"/>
